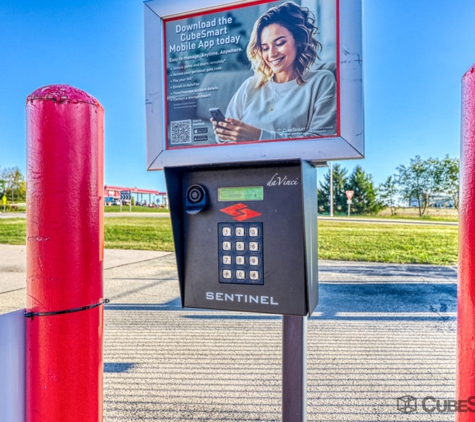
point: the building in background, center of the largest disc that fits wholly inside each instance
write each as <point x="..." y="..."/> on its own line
<point x="145" y="197"/>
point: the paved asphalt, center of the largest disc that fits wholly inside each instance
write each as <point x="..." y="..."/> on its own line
<point x="380" y="332"/>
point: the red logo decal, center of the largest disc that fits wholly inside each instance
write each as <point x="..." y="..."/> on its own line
<point x="240" y="212"/>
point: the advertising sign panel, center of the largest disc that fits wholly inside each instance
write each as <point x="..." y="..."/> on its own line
<point x="253" y="80"/>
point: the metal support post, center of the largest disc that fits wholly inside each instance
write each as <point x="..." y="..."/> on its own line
<point x="294" y="368"/>
<point x="331" y="188"/>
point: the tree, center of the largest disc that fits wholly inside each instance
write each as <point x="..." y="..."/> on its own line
<point x="364" y="197"/>
<point x="14" y="183"/>
<point x="388" y="192"/>
<point x="419" y="181"/>
<point x="3" y="185"/>
<point x="449" y="170"/>
<point x="339" y="197"/>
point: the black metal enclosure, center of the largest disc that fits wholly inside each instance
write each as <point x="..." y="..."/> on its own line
<point x="246" y="236"/>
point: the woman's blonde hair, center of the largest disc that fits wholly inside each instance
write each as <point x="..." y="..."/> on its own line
<point x="300" y="22"/>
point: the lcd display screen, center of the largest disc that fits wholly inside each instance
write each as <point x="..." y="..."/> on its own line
<point x="248" y="193"/>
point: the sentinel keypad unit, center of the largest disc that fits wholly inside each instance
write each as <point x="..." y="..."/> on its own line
<point x="240" y="253"/>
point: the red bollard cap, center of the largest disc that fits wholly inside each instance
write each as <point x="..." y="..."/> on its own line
<point x="62" y="94"/>
<point x="469" y="73"/>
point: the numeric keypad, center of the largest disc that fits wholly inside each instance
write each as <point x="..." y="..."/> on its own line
<point x="241" y="253"/>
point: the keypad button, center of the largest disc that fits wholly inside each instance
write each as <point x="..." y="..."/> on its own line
<point x="226" y="231"/>
<point x="254" y="275"/>
<point x="254" y="246"/>
<point x="227" y="260"/>
<point x="240" y="260"/>
<point x="240" y="274"/>
<point x="227" y="274"/>
<point x="227" y="246"/>
<point x="240" y="231"/>
<point x="240" y="246"/>
<point x="254" y="231"/>
<point x="254" y="260"/>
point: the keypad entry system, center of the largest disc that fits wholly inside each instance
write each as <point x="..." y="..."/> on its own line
<point x="245" y="236"/>
<point x="241" y="253"/>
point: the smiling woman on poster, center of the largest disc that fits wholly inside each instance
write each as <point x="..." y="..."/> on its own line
<point x="284" y="98"/>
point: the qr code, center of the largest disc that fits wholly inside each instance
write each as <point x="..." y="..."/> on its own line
<point x="180" y="132"/>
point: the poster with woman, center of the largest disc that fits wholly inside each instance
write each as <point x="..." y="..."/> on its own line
<point x="263" y="67"/>
<point x="256" y="72"/>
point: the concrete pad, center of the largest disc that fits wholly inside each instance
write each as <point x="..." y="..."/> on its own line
<point x="119" y="257"/>
<point x="13" y="263"/>
<point x="379" y="334"/>
<point x="377" y="272"/>
<point x="12" y="267"/>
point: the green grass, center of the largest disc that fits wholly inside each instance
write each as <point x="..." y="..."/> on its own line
<point x="448" y="218"/>
<point x="390" y="243"/>
<point x="126" y="208"/>
<point x="138" y="233"/>
<point x="13" y="231"/>
<point x="396" y="243"/>
<point x="423" y="218"/>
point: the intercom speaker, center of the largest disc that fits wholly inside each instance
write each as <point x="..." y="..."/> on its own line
<point x="196" y="199"/>
<point x="195" y="193"/>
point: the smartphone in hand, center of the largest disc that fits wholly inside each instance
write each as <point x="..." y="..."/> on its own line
<point x="217" y="114"/>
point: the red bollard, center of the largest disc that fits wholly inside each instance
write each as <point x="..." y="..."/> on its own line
<point x="64" y="327"/>
<point x="466" y="286"/>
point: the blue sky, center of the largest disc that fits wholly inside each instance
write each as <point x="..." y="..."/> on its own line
<point x="415" y="54"/>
